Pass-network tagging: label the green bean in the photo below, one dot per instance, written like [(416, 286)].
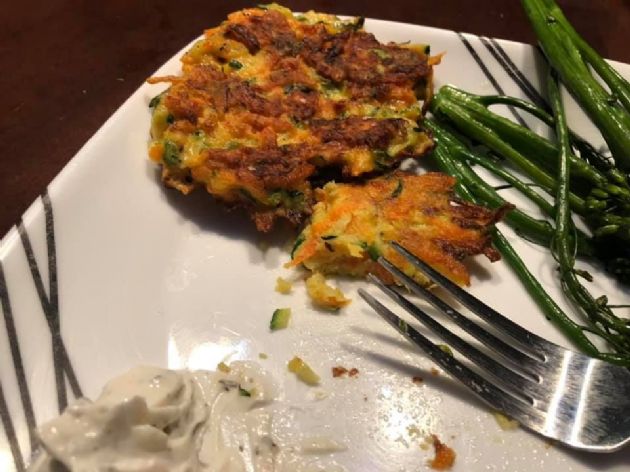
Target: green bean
[(565, 54), (444, 157)]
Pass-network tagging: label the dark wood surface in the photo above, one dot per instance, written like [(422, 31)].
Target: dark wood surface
[(67, 65)]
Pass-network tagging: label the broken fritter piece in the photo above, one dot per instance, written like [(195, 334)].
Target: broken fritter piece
[(352, 224), (268, 99)]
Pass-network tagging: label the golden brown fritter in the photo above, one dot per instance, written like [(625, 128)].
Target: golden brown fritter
[(267, 99), (353, 224)]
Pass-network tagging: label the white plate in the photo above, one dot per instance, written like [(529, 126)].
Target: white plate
[(146, 275)]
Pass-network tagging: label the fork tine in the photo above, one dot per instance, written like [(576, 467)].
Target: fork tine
[(529, 340), (520, 385), (495, 396), (516, 357)]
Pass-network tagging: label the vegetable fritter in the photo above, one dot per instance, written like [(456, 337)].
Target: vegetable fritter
[(267, 99), (352, 224)]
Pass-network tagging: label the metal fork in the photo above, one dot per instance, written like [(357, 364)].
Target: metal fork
[(563, 395)]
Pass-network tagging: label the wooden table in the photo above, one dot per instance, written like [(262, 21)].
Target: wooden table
[(68, 64)]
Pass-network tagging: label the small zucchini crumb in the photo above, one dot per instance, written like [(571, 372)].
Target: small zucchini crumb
[(262, 355), (447, 349), (444, 455), (505, 423), (303, 371), (244, 393), (280, 319), (283, 286), (324, 295), (223, 367), (171, 155)]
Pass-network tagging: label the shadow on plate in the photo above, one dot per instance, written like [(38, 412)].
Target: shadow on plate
[(449, 386), (208, 215), (478, 273), (439, 381), (595, 461)]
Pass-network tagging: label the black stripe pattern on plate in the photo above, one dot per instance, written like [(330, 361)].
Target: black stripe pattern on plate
[(61, 361)]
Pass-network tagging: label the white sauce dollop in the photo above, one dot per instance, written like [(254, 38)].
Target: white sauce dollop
[(152, 420)]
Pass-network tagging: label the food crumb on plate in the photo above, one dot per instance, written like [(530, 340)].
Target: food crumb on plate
[(280, 319), (303, 371), (446, 348), (324, 295), (223, 367), (340, 371), (444, 455), (320, 395), (505, 423), (434, 371), (417, 379), (283, 286), (263, 355)]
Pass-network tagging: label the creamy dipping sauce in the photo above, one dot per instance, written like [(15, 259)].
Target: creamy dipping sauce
[(152, 420)]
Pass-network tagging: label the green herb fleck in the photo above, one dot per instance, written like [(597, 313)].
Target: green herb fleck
[(155, 101), (329, 237), (298, 242), (357, 24), (382, 54), (446, 349), (374, 252), (170, 119), (234, 64), (427, 49), (402, 325), (297, 123), (171, 153), (243, 393), (329, 85), (248, 196), (398, 190), (233, 145), (299, 87), (288, 198), (381, 159)]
